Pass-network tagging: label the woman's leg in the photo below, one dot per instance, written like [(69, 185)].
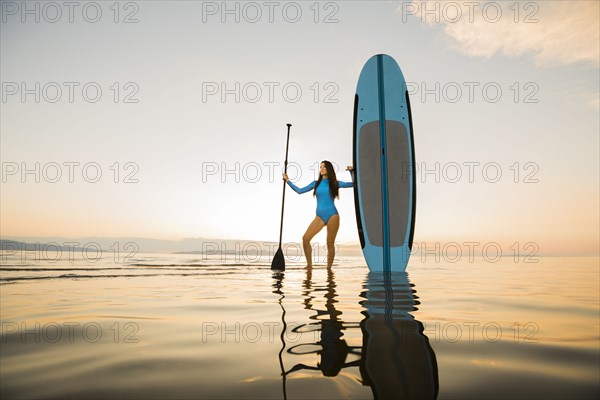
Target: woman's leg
[(311, 231), (332, 229)]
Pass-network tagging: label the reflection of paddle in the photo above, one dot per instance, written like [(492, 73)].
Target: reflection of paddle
[(278, 286), (279, 261)]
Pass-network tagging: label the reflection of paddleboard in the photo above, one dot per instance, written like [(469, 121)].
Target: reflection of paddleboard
[(384, 162), (397, 360)]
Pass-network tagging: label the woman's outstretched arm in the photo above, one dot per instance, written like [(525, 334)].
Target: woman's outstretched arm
[(298, 190), (348, 184), (305, 189)]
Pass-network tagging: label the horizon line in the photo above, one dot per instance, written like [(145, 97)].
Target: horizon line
[(355, 245)]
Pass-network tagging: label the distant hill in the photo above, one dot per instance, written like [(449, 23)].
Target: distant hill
[(13, 245), (145, 245)]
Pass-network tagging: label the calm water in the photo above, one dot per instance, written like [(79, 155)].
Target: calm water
[(178, 326)]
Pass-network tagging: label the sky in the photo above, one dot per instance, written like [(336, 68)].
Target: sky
[(167, 119)]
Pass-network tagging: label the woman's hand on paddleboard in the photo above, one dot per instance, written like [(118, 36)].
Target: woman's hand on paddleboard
[(285, 177), (350, 168)]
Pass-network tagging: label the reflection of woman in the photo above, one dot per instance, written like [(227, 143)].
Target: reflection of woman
[(326, 191), (333, 348)]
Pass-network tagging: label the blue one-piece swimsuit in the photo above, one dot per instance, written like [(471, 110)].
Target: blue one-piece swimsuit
[(325, 206)]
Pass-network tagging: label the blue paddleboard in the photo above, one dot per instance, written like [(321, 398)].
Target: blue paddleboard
[(384, 163)]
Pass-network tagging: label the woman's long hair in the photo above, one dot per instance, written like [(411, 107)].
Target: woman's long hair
[(334, 186)]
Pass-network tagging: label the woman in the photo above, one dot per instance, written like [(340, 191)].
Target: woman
[(326, 190)]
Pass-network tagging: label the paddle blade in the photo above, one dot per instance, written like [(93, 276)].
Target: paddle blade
[(278, 261)]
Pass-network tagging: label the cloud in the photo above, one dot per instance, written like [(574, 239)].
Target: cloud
[(553, 33)]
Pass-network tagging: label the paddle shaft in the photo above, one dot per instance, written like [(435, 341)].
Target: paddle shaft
[(287, 146)]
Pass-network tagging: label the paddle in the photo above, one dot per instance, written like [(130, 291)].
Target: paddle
[(279, 261)]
